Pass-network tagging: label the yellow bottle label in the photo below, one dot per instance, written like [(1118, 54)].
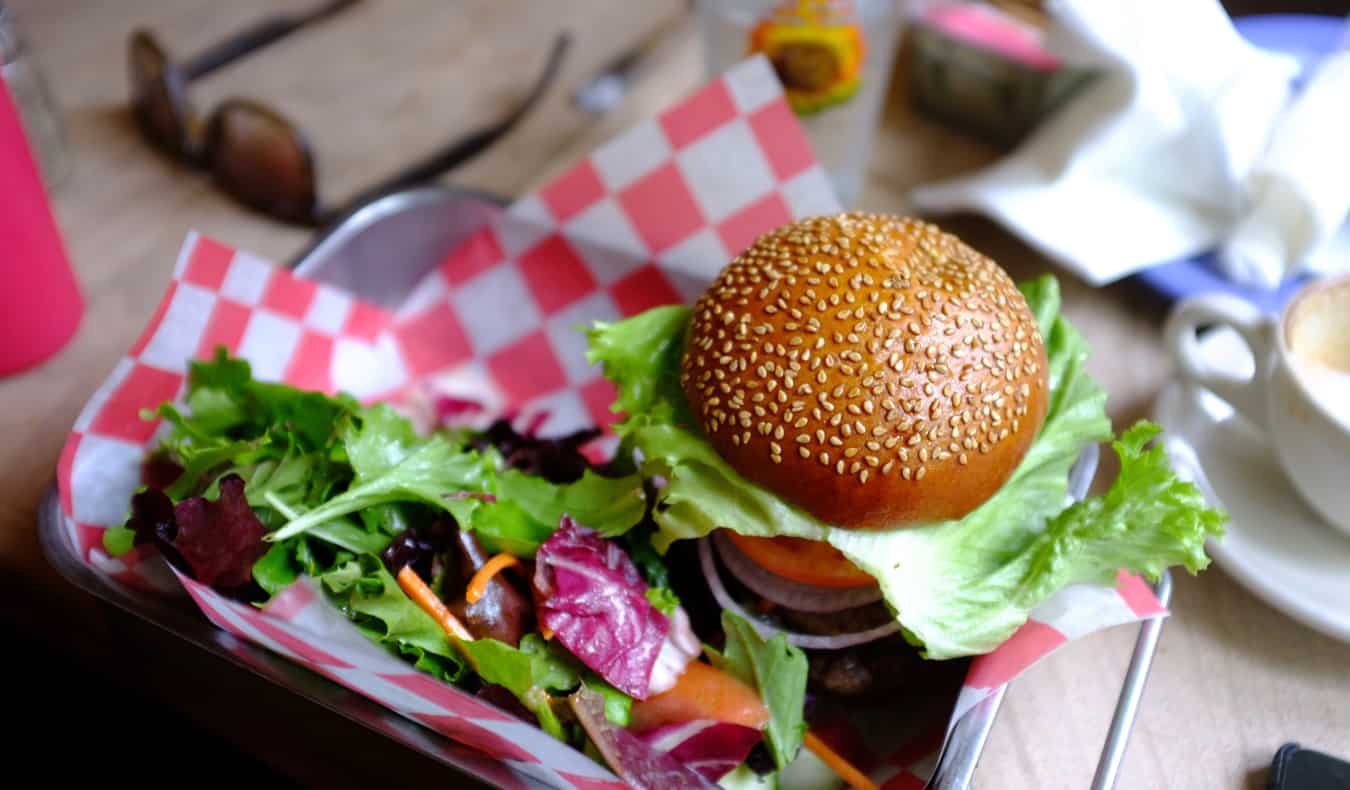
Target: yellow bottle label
[(817, 49)]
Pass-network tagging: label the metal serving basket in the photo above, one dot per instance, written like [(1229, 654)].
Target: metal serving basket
[(379, 253)]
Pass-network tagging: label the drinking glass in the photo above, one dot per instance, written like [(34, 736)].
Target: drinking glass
[(834, 59)]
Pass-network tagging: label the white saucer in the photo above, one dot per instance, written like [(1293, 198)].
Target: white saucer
[(1275, 545)]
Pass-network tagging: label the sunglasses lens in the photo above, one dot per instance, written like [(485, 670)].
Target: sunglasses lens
[(260, 159), (159, 109)]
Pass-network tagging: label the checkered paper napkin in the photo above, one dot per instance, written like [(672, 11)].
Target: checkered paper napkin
[(648, 219)]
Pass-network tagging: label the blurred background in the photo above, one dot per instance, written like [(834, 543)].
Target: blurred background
[(265, 123)]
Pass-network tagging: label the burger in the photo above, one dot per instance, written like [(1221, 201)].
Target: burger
[(862, 434)]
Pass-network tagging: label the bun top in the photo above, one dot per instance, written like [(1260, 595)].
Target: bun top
[(872, 370)]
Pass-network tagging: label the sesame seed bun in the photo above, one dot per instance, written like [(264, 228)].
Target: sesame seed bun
[(872, 370)]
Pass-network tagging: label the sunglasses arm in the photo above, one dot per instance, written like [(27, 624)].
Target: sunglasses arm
[(461, 150), (257, 36)]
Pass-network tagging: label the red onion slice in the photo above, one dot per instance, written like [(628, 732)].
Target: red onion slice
[(809, 641), (785, 592)]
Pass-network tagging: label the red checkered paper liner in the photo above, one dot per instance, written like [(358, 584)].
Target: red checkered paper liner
[(648, 219)]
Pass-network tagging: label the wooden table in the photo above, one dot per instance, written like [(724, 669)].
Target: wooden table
[(1233, 679)]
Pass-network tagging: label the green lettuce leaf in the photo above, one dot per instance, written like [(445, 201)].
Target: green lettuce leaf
[(959, 587), (637, 543), (664, 599), (378, 440), (778, 671), (529, 672), (520, 513), (642, 355), (429, 474), (118, 540), (1089, 540), (609, 505), (277, 569), (231, 402)]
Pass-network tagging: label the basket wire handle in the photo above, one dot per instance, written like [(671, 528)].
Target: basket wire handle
[(964, 743), (1131, 692)]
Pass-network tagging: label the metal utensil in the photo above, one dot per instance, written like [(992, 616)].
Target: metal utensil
[(965, 740), (607, 89)]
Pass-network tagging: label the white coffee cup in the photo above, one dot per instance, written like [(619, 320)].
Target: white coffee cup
[(1299, 396)]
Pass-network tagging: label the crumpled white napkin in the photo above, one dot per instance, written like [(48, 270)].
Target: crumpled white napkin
[(1299, 192), (1151, 161)]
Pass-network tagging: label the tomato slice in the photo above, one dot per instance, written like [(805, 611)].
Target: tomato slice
[(805, 561)]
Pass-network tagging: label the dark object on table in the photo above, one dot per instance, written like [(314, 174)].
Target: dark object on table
[(1297, 768), (255, 153)]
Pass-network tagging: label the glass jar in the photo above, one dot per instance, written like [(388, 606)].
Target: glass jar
[(37, 110)]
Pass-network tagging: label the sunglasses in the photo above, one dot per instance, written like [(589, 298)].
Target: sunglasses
[(254, 153)]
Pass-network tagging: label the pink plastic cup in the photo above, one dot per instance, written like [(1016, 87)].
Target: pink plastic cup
[(40, 302)]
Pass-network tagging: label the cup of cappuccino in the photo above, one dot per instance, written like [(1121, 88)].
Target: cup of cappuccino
[(1299, 396)]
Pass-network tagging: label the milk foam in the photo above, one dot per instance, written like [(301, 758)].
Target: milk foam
[(1329, 387), (1319, 337)]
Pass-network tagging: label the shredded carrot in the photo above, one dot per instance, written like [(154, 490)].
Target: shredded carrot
[(425, 597), (845, 770), (478, 584), (545, 632)]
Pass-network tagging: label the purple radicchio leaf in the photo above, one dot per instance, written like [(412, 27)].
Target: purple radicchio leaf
[(591, 596), (635, 762), (711, 748)]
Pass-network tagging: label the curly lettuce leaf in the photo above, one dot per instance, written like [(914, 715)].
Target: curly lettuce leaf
[(641, 355), (368, 594), (225, 400), (959, 587)]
